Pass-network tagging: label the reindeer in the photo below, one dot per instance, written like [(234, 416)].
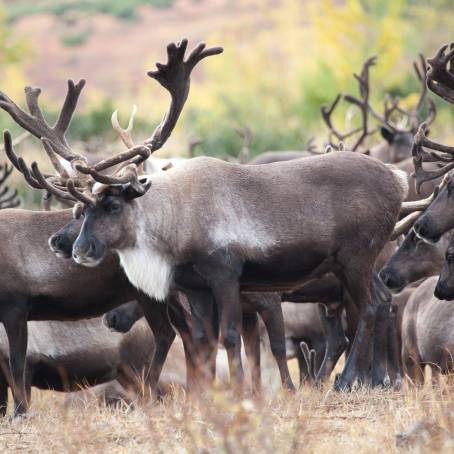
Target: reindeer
[(414, 260), (321, 330), (266, 305), (436, 218), (398, 140), (61, 242), (240, 234), (44, 288), (427, 337), (66, 356)]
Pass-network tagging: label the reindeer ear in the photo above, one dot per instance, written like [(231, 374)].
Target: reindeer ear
[(137, 189), (387, 134)]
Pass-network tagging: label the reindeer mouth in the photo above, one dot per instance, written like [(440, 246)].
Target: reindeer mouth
[(87, 261)]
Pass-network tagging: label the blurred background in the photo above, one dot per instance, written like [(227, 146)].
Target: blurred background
[(283, 60)]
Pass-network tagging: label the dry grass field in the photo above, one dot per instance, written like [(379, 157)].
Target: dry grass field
[(312, 420)]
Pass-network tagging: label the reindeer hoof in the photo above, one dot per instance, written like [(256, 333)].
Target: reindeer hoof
[(343, 384)]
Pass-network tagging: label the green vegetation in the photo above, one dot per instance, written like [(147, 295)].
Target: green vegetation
[(122, 9), (75, 39)]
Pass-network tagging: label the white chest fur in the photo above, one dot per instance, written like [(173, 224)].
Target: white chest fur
[(148, 270)]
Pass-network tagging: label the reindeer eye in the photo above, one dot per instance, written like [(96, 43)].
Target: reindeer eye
[(113, 207)]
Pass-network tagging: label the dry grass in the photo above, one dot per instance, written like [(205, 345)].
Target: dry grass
[(309, 421)]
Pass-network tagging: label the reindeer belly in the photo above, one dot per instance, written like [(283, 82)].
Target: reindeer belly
[(71, 373), (286, 270)]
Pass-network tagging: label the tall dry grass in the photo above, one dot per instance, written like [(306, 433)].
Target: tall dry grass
[(312, 420)]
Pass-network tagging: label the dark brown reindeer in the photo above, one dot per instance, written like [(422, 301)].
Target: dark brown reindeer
[(424, 322), (68, 356), (44, 288), (415, 259), (233, 239), (445, 285)]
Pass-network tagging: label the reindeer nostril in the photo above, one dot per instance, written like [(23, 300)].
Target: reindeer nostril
[(91, 250), (113, 321)]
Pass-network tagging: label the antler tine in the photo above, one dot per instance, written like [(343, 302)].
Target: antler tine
[(54, 158), (49, 187), (31, 97), (134, 155), (128, 174), (422, 175), (10, 196), (193, 143), (125, 134), (69, 106), (17, 161), (175, 77), (440, 75), (309, 358), (421, 76), (4, 191), (415, 114), (6, 173), (79, 196)]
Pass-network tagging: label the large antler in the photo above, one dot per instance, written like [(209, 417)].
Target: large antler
[(440, 75), (420, 156), (363, 105), (35, 123), (174, 76), (391, 105), (52, 137)]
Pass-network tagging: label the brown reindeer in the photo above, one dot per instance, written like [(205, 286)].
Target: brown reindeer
[(41, 287), (244, 234), (427, 337), (415, 259), (66, 356), (423, 321), (315, 335), (436, 219), (217, 251), (398, 140), (61, 242)]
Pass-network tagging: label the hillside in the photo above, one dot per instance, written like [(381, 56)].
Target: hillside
[(114, 54)]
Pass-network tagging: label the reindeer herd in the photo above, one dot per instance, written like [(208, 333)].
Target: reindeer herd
[(204, 248)]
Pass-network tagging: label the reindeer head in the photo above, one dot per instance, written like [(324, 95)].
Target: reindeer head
[(105, 200)]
